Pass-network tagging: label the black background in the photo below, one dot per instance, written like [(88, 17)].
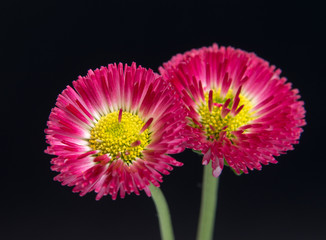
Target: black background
[(47, 44)]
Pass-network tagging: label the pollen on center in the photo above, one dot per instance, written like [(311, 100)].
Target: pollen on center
[(226, 113), (120, 135)]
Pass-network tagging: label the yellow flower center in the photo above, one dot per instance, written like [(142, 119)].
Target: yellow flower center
[(119, 135), (215, 120)]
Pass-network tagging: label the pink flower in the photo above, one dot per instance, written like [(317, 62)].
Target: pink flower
[(112, 133), (241, 112)]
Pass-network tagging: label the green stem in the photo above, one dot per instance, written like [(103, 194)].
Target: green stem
[(206, 224), (163, 213)]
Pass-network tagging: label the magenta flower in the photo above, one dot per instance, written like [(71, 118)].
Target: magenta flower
[(241, 112), (113, 132)]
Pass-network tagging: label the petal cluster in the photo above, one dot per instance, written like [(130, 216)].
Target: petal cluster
[(123, 89), (241, 111)]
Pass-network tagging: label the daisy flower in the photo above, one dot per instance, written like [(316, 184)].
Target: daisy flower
[(112, 132), (241, 112)]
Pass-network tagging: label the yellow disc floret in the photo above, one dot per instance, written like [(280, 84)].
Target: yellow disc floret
[(119, 136), (212, 121)]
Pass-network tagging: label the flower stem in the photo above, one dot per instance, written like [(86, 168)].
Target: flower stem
[(206, 224), (163, 213)]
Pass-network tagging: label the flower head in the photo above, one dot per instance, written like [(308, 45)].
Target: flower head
[(241, 112), (113, 131)]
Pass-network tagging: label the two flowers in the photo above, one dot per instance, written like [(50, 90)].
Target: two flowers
[(113, 132)]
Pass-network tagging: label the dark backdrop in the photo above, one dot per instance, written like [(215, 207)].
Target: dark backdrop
[(47, 44)]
